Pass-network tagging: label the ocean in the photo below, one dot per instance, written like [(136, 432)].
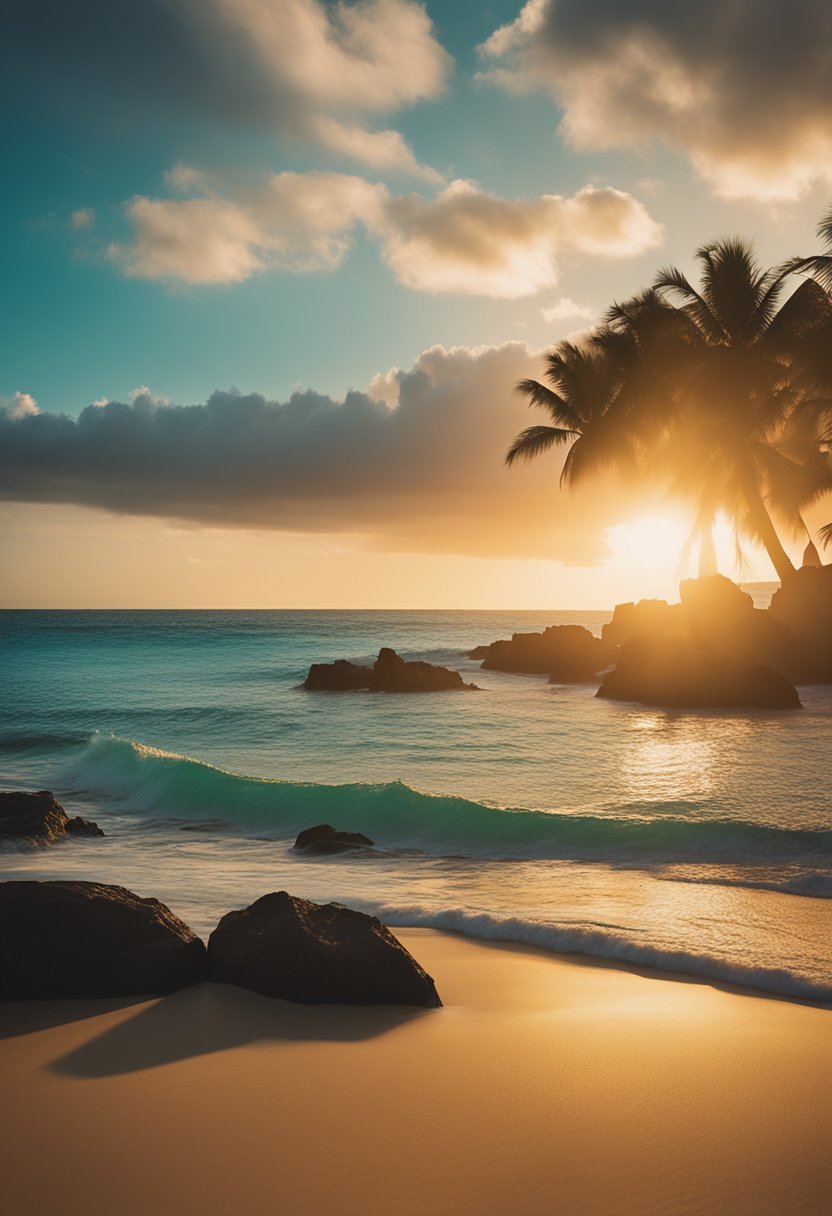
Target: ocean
[(692, 842)]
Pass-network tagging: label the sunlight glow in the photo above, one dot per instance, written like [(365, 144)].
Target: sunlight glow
[(652, 543)]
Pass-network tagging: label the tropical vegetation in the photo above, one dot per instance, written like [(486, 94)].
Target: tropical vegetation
[(721, 391)]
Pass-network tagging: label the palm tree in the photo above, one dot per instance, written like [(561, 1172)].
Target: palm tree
[(818, 404), (705, 388), (584, 404)]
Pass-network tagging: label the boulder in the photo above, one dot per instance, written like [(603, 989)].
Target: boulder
[(283, 946), (340, 676), (325, 839), (803, 604), (563, 652), (392, 673), (39, 818), (85, 939), (647, 616), (480, 652), (389, 673), (675, 672)]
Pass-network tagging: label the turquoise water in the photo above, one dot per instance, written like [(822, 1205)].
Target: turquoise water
[(696, 842)]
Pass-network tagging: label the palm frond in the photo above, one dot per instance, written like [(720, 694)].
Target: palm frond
[(535, 440)]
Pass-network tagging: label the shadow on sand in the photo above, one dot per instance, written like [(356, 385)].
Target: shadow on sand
[(209, 1017)]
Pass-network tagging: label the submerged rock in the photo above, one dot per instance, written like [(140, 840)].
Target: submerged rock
[(39, 818), (326, 839), (85, 939), (283, 946), (566, 653), (389, 673), (674, 672)]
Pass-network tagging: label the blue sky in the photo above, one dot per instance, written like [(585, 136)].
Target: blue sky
[(662, 122)]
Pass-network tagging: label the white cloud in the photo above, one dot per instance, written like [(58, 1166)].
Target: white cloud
[(464, 240), (741, 88), (83, 218), (565, 309), (323, 69), (19, 405)]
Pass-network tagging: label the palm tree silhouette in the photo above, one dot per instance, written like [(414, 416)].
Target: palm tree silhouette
[(714, 390)]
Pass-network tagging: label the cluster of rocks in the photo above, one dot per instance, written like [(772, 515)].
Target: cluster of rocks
[(712, 649), (389, 673), (87, 939), (566, 653), (37, 818)]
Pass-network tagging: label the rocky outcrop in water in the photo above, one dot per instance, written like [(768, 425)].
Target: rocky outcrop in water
[(325, 839), (804, 606), (675, 672), (86, 939), (389, 673), (283, 946), (566, 653), (39, 818)]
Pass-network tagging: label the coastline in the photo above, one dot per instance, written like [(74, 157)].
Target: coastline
[(546, 1083)]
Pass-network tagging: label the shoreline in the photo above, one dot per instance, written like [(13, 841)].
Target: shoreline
[(545, 1083)]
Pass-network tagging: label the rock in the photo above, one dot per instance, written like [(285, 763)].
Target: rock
[(39, 818), (675, 672), (340, 676), (804, 605), (283, 946), (326, 839), (389, 673), (563, 652), (480, 652), (85, 939), (647, 616)]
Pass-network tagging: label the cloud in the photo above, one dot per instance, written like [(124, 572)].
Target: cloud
[(425, 474), (297, 222), (474, 243), (83, 218), (305, 68), (464, 240), (742, 88), (19, 405), (565, 309)]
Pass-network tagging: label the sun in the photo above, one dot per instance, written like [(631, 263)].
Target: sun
[(653, 543)]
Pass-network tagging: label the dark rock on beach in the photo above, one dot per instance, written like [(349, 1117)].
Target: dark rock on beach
[(676, 673), (85, 939), (566, 653), (325, 839), (389, 673), (283, 946), (39, 818)]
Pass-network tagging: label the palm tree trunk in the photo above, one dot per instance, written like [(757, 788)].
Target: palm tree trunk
[(761, 523), (707, 553)]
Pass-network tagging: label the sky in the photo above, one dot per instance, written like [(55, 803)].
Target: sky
[(272, 268)]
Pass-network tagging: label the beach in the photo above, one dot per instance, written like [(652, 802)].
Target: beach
[(545, 1084)]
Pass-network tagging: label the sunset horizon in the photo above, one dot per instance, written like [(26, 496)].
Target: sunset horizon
[(416, 608)]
